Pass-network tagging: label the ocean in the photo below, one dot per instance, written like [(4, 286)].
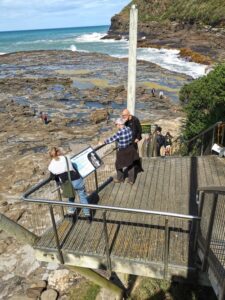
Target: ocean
[(88, 39)]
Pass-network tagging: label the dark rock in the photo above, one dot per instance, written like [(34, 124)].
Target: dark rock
[(49, 295), (99, 116)]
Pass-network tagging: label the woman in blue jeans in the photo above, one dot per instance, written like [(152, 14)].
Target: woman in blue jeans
[(59, 171)]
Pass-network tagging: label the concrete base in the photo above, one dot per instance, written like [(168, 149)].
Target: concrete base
[(149, 269)]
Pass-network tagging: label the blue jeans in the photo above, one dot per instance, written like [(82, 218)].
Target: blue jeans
[(80, 189)]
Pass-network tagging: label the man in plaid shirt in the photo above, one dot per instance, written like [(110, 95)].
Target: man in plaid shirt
[(126, 154), (123, 136)]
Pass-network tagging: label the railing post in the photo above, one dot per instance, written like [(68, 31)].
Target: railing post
[(213, 138), (166, 249), (222, 138), (200, 202), (60, 198), (209, 233), (96, 180), (222, 294), (56, 235), (202, 145), (109, 266)]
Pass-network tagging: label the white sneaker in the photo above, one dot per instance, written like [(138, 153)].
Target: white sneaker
[(71, 211)]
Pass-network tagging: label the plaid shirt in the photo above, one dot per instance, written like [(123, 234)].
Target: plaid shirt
[(123, 137)]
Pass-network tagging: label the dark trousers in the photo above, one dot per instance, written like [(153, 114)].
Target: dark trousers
[(130, 172)]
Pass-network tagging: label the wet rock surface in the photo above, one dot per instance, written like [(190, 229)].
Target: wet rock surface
[(76, 90)]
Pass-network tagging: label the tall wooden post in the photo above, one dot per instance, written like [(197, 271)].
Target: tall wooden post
[(131, 87)]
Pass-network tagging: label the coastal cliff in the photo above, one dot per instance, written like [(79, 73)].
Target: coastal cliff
[(195, 25)]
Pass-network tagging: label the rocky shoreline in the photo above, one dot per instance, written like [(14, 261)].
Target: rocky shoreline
[(205, 40), (71, 87)]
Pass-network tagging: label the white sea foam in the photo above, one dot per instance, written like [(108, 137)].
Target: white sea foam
[(36, 42), (95, 37), (1, 53), (90, 37), (73, 48), (169, 59)]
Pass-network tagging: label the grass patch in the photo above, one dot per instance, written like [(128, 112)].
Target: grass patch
[(85, 290)]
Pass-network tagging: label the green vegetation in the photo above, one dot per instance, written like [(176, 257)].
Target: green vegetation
[(204, 101), (208, 12), (85, 290), (160, 290), (203, 12)]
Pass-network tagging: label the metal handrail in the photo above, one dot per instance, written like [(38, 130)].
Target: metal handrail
[(212, 189), (202, 143), (204, 131), (104, 209), (111, 208), (95, 206), (205, 242)]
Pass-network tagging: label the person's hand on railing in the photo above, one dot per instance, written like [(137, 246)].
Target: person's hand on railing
[(100, 145)]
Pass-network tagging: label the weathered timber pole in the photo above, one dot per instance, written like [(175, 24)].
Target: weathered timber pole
[(132, 61), (20, 233), (99, 280)]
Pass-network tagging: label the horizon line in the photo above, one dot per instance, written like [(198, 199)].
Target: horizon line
[(52, 28)]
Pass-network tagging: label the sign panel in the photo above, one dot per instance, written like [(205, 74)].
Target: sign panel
[(146, 128), (86, 162)]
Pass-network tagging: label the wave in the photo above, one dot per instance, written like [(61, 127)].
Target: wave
[(170, 60), (36, 42), (1, 53), (73, 48), (95, 37)]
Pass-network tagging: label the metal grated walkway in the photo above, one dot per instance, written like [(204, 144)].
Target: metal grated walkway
[(137, 241)]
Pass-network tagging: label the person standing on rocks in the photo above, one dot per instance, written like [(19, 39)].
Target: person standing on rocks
[(41, 115), (45, 119), (153, 92), (161, 95), (59, 171)]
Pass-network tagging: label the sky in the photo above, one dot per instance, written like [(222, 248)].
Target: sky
[(37, 14)]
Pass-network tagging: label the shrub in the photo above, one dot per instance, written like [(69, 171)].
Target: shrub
[(204, 101)]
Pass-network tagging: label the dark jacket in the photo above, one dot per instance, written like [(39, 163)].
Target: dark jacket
[(135, 126), (126, 157), (63, 177), (160, 140)]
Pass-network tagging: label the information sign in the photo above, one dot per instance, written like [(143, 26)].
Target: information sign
[(86, 162)]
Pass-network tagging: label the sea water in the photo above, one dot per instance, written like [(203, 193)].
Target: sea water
[(89, 39)]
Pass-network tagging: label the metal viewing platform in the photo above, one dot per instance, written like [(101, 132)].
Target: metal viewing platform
[(152, 228)]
